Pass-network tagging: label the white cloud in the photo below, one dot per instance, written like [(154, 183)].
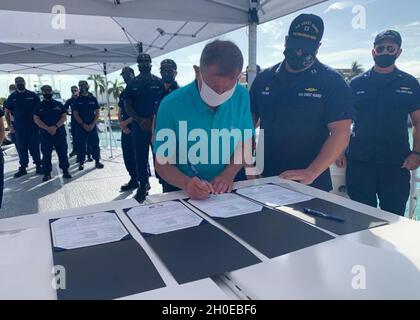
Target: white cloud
[(194, 57), (412, 67), (340, 5), (272, 28), (413, 24), (345, 57), (277, 50), (185, 75)]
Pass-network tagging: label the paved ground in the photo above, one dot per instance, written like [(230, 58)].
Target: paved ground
[(28, 194)]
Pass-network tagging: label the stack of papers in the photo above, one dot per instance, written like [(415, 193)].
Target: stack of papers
[(163, 217), (226, 205), (273, 195), (87, 230)]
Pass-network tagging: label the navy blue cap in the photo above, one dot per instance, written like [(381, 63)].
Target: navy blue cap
[(305, 32), (46, 87), (168, 64), (388, 35), (144, 58), (127, 70)]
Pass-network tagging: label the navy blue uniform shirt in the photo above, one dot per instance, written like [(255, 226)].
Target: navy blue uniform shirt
[(22, 106), (383, 103), (145, 92), (165, 92), (121, 105), (86, 106), (70, 104), (50, 112), (295, 110)]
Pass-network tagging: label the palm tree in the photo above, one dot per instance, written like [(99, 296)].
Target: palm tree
[(99, 83), (356, 69), (102, 85), (115, 88)]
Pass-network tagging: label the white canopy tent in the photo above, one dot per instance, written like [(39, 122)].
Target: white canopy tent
[(101, 36), (76, 36)]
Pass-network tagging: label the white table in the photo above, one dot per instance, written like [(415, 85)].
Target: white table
[(26, 259), (204, 289), (336, 269), (390, 256), (314, 272)]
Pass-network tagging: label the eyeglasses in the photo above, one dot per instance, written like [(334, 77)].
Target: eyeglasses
[(390, 49)]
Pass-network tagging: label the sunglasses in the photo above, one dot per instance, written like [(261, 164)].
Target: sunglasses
[(390, 49)]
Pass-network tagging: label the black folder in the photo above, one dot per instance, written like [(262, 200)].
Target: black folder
[(198, 252), (106, 271), (354, 220), (273, 233)]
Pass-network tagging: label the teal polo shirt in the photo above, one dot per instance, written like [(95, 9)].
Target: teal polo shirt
[(188, 131)]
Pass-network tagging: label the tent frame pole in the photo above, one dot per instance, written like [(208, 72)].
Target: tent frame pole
[(108, 107), (252, 41)]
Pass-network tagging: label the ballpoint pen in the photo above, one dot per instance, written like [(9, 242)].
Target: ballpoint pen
[(195, 171), (322, 215)]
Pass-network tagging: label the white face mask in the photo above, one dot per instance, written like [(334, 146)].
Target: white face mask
[(211, 97)]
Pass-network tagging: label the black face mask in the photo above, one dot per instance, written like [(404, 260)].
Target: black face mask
[(47, 96), (20, 86), (145, 68), (83, 90), (298, 62), (385, 60), (127, 78), (168, 77)]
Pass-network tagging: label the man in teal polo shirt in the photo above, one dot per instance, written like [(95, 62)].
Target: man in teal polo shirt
[(203, 128)]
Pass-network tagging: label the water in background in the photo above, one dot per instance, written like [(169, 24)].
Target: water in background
[(115, 138), (417, 211)]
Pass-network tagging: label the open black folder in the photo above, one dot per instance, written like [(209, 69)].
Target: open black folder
[(197, 252), (105, 271), (271, 232), (352, 220)]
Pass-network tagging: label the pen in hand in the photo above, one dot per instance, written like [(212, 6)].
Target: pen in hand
[(208, 186)]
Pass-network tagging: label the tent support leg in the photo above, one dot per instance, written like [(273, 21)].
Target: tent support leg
[(108, 107), (252, 42)]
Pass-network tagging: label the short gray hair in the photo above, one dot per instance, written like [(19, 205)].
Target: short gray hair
[(225, 55)]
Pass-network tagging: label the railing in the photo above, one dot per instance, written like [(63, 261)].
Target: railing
[(414, 195)]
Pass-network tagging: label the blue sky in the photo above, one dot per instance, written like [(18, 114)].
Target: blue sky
[(341, 44)]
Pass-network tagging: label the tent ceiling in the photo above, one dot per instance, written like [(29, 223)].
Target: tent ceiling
[(97, 31), (217, 11)]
